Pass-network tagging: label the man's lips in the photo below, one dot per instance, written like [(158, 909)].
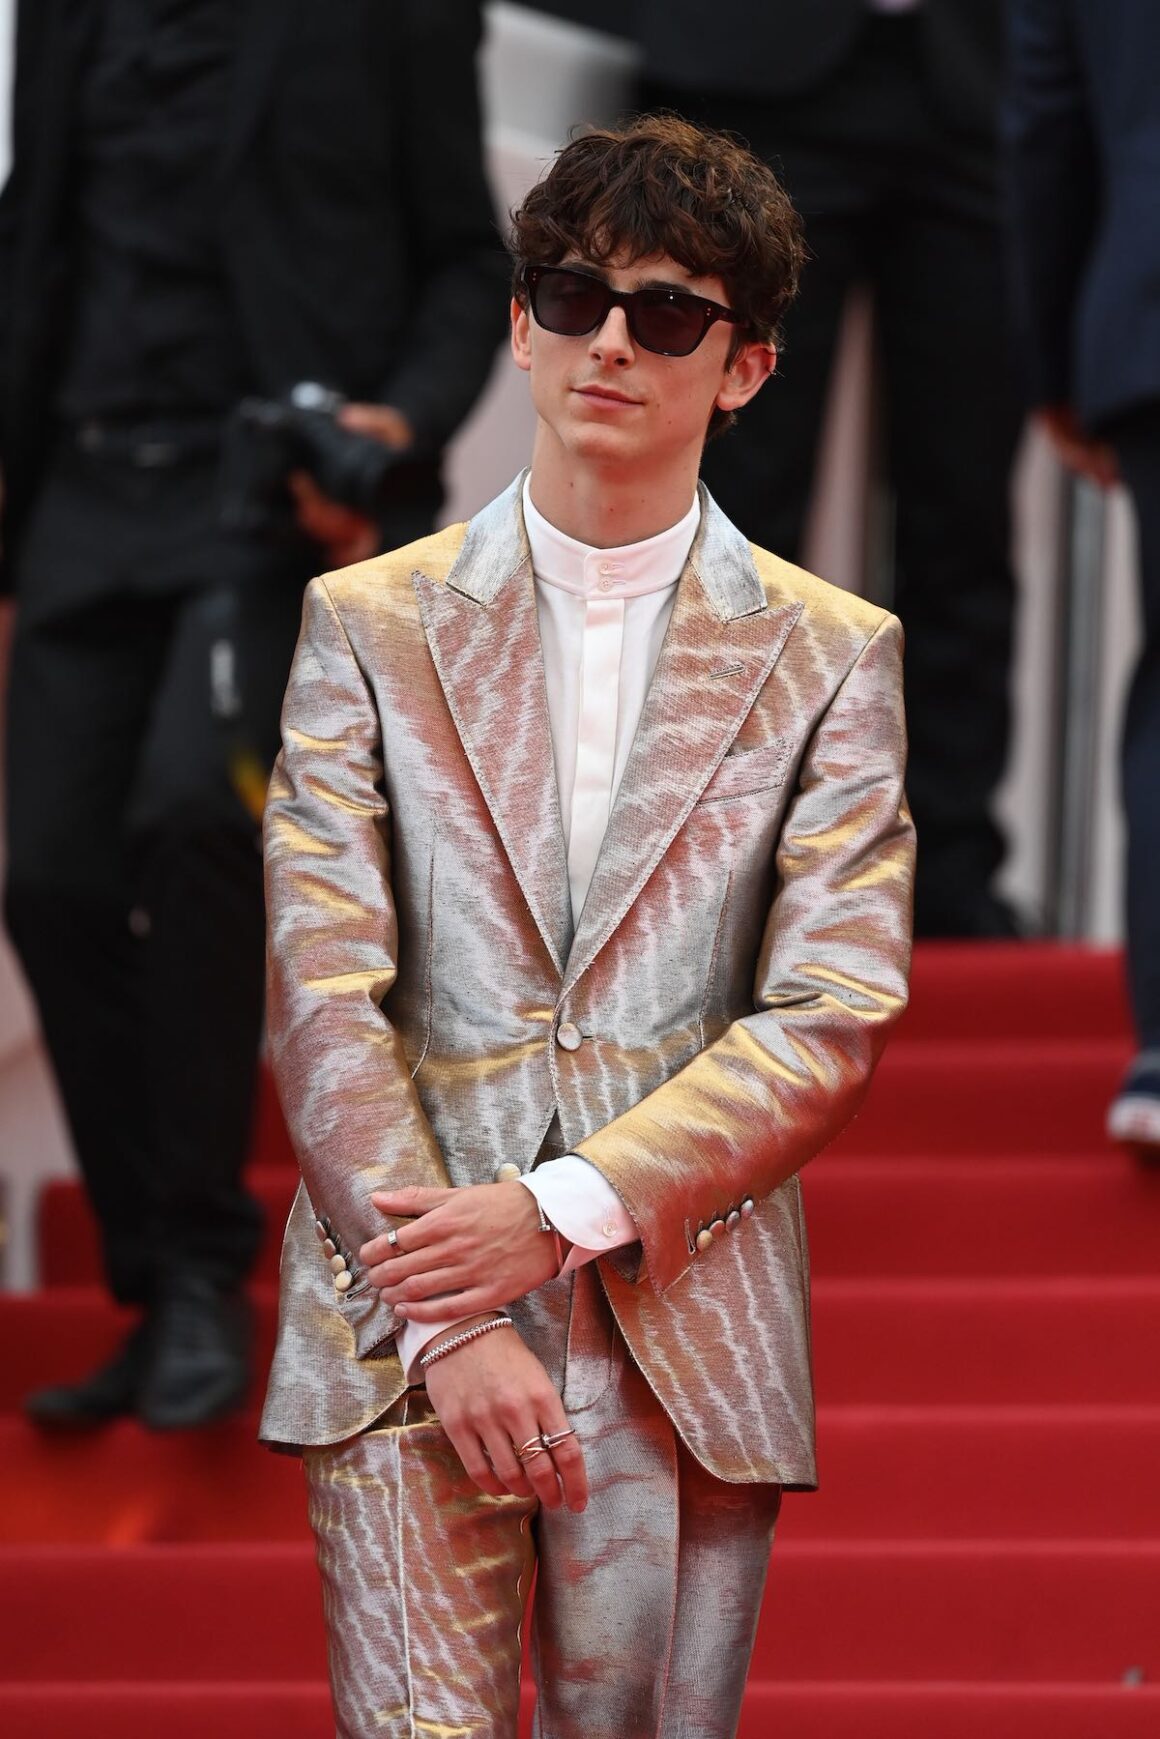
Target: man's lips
[(607, 394)]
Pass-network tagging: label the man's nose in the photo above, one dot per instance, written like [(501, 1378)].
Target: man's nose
[(612, 342)]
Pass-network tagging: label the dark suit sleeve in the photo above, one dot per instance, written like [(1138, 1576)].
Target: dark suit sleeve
[(1053, 181), (459, 262)]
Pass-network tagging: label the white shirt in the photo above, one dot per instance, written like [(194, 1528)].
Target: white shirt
[(602, 617)]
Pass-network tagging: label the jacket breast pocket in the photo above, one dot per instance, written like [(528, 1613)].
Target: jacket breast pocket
[(745, 772)]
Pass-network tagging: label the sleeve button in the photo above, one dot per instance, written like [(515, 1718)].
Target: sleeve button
[(747, 1208), (343, 1282), (704, 1238)]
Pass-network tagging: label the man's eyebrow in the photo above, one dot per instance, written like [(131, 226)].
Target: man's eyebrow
[(600, 272)]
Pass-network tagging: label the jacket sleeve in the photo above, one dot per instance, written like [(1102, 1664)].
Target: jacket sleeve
[(779, 1084), (459, 264), (1053, 191), (343, 1078)]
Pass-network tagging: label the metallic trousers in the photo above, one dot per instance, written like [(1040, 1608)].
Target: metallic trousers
[(645, 1605)]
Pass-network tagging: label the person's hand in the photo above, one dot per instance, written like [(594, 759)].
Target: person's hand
[(381, 422), (1078, 450), (467, 1250), (492, 1396), (345, 535)]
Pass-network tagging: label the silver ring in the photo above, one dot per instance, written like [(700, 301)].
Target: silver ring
[(392, 1237), (551, 1442)]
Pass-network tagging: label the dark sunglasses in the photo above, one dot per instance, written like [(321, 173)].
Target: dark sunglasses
[(669, 322)]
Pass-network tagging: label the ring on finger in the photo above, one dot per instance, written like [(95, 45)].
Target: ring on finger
[(529, 1450), (392, 1237)]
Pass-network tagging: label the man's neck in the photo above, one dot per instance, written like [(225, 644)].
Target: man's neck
[(604, 510)]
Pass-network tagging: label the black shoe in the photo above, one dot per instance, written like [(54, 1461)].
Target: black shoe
[(199, 1368), (110, 1393)]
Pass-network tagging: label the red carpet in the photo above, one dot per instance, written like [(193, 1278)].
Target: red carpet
[(983, 1559)]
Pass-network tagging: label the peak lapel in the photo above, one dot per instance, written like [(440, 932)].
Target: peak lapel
[(483, 631), (722, 642)]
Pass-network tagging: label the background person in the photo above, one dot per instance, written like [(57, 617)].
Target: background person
[(208, 201), (881, 118), (1083, 158)]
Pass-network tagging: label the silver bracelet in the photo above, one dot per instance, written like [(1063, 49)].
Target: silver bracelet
[(461, 1340)]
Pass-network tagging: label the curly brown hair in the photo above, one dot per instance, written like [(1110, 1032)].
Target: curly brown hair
[(662, 185)]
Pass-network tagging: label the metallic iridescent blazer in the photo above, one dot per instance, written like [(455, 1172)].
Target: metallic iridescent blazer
[(739, 961)]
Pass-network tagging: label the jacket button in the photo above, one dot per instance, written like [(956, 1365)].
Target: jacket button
[(343, 1282), (338, 1264), (568, 1036), (329, 1247), (508, 1171), (704, 1238)]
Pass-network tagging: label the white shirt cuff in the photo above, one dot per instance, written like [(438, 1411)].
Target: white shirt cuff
[(583, 1207), (413, 1337)]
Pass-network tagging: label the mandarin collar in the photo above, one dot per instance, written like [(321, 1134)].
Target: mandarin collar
[(629, 571)]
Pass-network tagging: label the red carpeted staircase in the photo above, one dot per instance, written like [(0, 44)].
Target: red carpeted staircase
[(983, 1558)]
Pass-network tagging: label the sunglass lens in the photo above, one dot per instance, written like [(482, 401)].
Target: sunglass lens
[(671, 324), (568, 302)]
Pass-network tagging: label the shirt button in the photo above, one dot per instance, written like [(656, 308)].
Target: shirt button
[(568, 1036), (604, 585), (507, 1172), (609, 1230)]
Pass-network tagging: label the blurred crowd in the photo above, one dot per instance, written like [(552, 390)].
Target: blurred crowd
[(252, 280)]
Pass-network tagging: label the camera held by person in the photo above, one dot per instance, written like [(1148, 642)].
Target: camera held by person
[(269, 439)]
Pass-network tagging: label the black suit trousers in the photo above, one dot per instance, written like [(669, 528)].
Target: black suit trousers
[(147, 670), (890, 198)]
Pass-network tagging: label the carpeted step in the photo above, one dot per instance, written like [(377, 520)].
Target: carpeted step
[(984, 992), (1046, 1097), (929, 1216), (876, 1342), (952, 1473), (994, 1217), (1067, 1613), (874, 1710), (796, 1710)]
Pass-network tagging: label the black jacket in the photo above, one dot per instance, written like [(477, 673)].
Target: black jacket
[(351, 162), (1082, 137), (784, 48)]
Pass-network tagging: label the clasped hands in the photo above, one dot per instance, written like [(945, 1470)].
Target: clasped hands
[(462, 1251)]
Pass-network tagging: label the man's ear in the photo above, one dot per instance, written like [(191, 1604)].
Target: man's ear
[(746, 375), (521, 335)]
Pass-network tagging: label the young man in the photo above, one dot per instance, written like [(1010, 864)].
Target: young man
[(589, 878)]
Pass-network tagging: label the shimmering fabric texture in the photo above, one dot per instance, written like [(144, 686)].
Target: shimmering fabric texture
[(645, 1605), (739, 960)]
